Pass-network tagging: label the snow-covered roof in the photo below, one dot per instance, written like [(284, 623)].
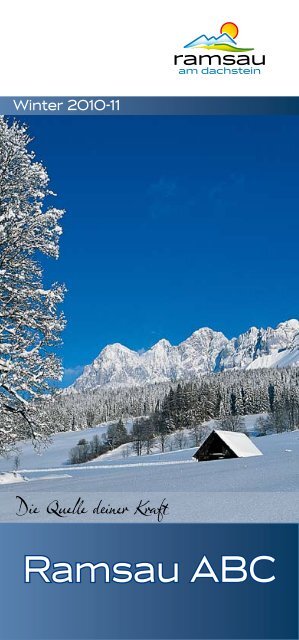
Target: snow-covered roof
[(239, 443)]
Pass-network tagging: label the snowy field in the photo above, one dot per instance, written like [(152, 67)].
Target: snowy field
[(54, 455), (257, 489)]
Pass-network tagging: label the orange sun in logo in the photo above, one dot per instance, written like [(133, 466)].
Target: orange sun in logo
[(230, 28)]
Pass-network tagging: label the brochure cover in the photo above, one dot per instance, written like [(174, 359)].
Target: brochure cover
[(149, 321)]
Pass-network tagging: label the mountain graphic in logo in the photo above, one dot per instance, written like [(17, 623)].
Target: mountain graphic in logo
[(225, 42)]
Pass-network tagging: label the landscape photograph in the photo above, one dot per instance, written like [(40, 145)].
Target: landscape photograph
[(149, 324)]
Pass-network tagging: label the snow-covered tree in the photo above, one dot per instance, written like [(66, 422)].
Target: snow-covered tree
[(30, 324), (233, 422)]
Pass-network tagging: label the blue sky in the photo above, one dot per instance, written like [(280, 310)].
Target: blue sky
[(172, 223)]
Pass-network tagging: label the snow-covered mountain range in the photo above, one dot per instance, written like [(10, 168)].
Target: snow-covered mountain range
[(206, 351)]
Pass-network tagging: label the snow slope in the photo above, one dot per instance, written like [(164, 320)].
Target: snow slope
[(206, 351), (279, 358), (55, 454), (256, 489)]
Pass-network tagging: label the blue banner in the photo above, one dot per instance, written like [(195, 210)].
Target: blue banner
[(147, 105), (93, 581)]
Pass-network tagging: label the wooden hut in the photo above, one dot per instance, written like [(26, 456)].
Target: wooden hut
[(220, 445)]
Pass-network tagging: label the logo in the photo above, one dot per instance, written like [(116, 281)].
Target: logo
[(219, 54), (225, 42)]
